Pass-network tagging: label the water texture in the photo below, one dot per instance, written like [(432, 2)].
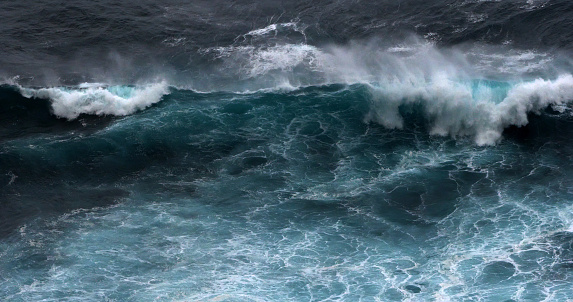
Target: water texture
[(300, 151)]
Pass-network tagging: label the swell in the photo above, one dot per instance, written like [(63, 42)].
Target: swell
[(478, 109), (188, 133), (190, 136)]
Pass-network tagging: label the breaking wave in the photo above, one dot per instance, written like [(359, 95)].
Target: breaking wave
[(458, 92), (98, 99), (480, 109)]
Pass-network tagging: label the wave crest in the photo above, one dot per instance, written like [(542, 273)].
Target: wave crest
[(96, 99), (480, 109)]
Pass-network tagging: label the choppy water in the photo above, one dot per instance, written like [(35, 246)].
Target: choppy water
[(324, 151)]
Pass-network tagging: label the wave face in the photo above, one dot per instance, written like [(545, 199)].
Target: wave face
[(348, 151)]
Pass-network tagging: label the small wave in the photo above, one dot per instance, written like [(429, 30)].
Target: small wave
[(98, 99)]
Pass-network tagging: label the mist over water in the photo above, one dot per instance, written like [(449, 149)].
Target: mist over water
[(324, 151)]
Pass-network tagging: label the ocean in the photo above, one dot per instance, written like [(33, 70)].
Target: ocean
[(286, 150)]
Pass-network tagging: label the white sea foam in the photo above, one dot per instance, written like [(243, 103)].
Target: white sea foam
[(93, 98), (455, 109)]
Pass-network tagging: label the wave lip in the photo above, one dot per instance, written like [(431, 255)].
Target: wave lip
[(98, 99)]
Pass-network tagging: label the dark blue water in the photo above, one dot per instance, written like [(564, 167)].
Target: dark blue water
[(323, 151)]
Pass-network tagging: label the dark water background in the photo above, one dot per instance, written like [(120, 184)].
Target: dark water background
[(67, 41), (286, 151)]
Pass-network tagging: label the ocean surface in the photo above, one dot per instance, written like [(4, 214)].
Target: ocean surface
[(341, 150)]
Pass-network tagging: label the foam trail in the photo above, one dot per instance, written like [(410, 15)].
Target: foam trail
[(97, 99)]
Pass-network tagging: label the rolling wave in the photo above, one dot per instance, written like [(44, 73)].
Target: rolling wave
[(69, 103), (480, 109)]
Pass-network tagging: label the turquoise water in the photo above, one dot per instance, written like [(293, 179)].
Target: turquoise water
[(284, 196)]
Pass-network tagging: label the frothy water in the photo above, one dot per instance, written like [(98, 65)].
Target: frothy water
[(273, 196)]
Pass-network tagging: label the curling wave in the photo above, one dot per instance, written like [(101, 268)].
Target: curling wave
[(480, 109), (98, 99)]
